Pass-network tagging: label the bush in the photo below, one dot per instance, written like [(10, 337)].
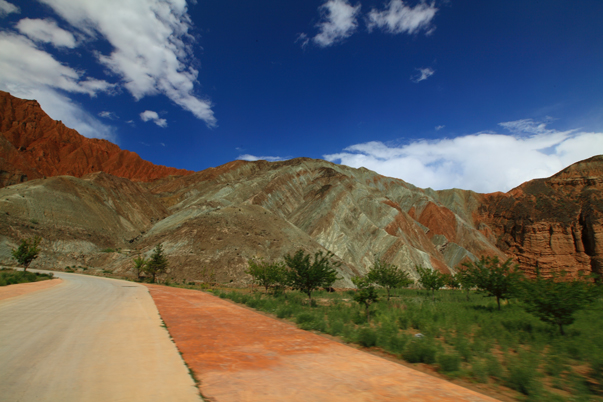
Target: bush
[(420, 351), (449, 363), (521, 376), (367, 337)]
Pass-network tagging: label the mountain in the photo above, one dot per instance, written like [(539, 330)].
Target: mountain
[(211, 222), (33, 146)]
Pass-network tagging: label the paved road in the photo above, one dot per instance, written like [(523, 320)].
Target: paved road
[(89, 339)]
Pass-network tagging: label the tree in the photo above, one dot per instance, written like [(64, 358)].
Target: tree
[(494, 278), (556, 299), (430, 279), (268, 275), (140, 264), (306, 275), (366, 293), (27, 252), (388, 276), (465, 279), (157, 264)]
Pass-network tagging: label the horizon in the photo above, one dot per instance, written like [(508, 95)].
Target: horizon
[(445, 94)]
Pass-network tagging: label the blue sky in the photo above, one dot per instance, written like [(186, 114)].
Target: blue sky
[(472, 94)]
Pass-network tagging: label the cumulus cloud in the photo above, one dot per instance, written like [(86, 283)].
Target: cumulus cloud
[(7, 8), (438, 128), (422, 74), (252, 158), (338, 21), (29, 72), (108, 115), (483, 162), (149, 115), (400, 18), (152, 47), (46, 31)]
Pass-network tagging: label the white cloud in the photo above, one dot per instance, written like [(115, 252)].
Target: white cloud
[(154, 117), (483, 162), (152, 46), (253, 158), (438, 128), (28, 72), (7, 8), (46, 31), (108, 115), (338, 22), (422, 75), (400, 18)]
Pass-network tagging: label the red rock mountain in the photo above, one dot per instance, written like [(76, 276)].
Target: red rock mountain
[(211, 222), (32, 146)]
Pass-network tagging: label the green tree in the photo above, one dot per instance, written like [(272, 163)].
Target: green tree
[(157, 264), (494, 278), (307, 276), (268, 275), (366, 294), (140, 264), (388, 276), (27, 252), (555, 300), (465, 279), (430, 279)]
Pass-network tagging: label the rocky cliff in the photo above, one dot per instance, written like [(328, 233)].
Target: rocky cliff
[(32, 146), (211, 222)]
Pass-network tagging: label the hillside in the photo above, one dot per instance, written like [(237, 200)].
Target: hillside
[(211, 222)]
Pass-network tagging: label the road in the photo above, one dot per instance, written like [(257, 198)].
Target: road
[(89, 339)]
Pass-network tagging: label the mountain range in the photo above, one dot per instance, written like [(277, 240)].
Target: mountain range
[(97, 207)]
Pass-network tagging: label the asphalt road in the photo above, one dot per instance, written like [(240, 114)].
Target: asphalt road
[(89, 339)]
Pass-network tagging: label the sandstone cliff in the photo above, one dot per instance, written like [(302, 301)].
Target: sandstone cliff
[(33, 146)]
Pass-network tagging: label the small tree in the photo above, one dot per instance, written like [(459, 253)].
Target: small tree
[(465, 279), (494, 278), (268, 275), (388, 276), (157, 264), (555, 300), (366, 293), (27, 252), (140, 264), (307, 276), (430, 279)]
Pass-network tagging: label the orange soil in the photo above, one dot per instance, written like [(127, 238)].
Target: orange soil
[(7, 292), (239, 355)]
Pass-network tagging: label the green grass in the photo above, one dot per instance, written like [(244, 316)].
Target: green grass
[(467, 339), (12, 277)]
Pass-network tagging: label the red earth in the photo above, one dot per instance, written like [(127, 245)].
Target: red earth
[(240, 355)]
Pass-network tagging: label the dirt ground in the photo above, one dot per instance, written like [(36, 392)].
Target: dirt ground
[(239, 355)]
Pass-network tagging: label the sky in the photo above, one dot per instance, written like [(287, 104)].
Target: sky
[(471, 94)]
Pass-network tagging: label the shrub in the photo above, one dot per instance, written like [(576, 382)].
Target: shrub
[(367, 337), (449, 363), (420, 351), (307, 276)]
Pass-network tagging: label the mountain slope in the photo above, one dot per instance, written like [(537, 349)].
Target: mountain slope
[(32, 146)]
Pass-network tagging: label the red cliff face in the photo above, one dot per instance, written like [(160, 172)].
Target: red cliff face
[(32, 145), (555, 224)]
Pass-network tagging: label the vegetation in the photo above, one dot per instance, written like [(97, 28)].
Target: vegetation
[(494, 278), (13, 277), (269, 275), (27, 251), (431, 279), (307, 276), (140, 265), (366, 294), (557, 299), (388, 276), (157, 264)]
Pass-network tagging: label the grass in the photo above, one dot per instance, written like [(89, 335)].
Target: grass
[(12, 277), (470, 340)]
